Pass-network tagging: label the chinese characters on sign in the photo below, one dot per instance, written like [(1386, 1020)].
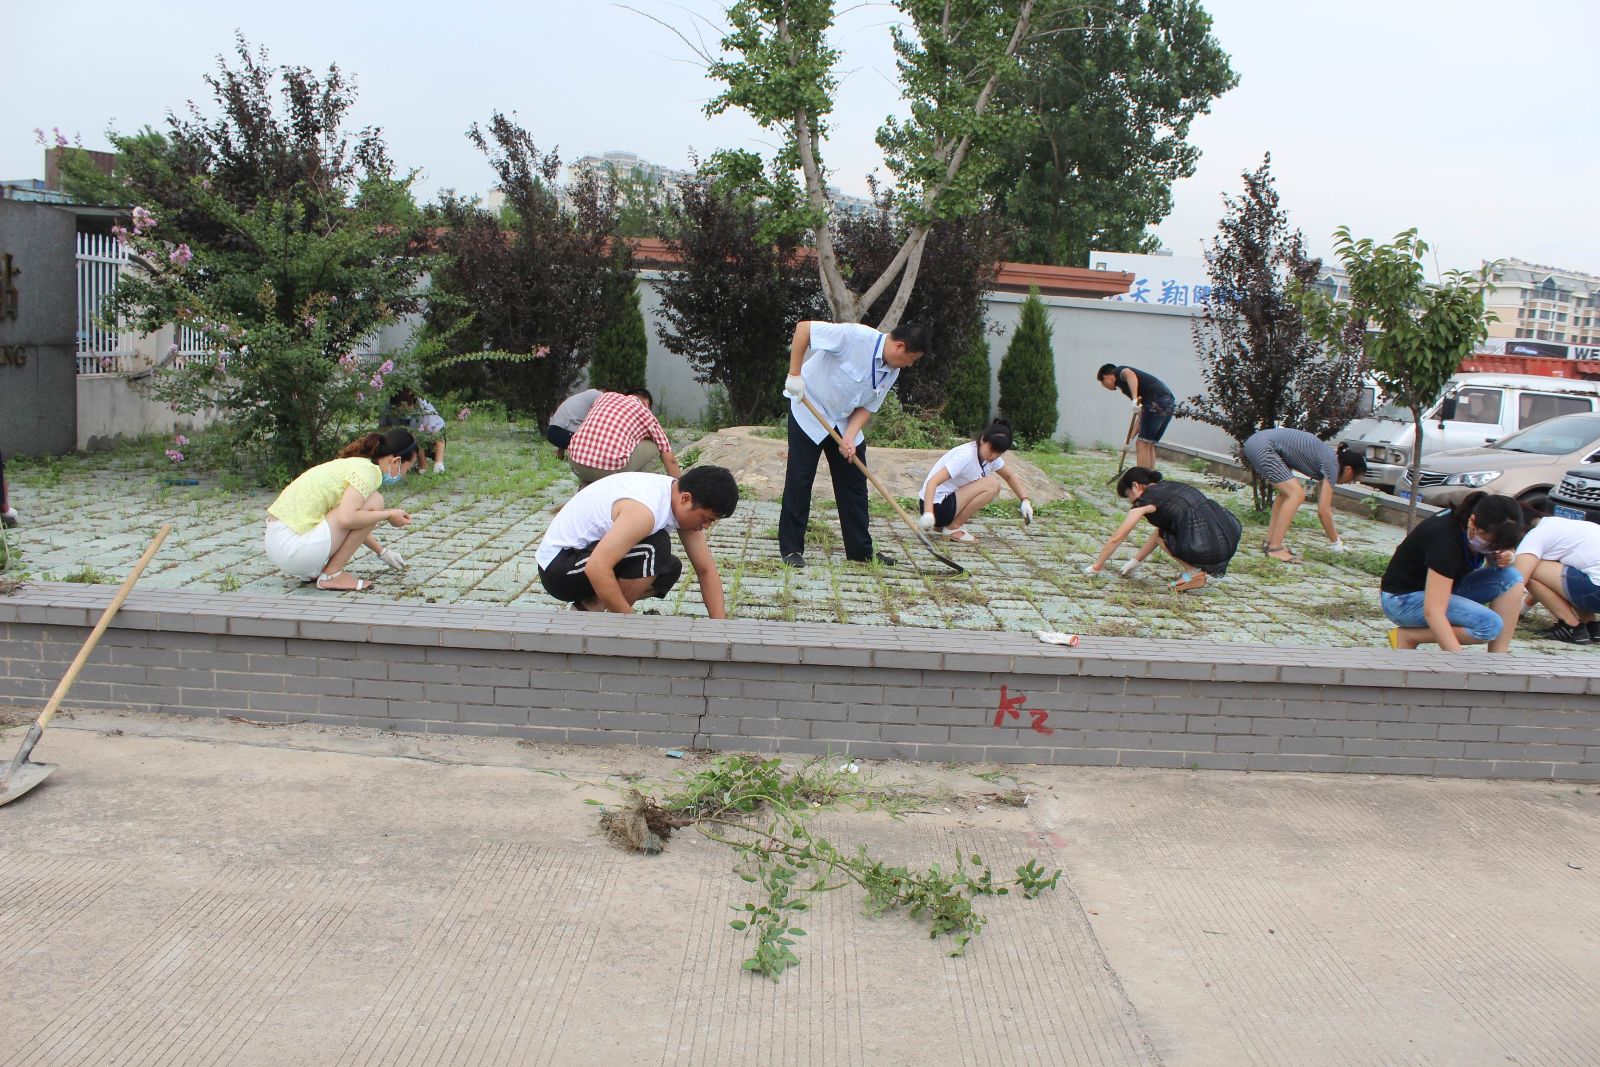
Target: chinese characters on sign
[(1173, 293), (1011, 707)]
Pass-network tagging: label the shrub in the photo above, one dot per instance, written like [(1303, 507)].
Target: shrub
[(621, 347), (967, 406), (897, 426), (1028, 375)]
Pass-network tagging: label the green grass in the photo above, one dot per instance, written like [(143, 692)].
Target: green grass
[(87, 575)]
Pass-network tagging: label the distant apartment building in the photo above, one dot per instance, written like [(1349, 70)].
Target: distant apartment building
[(1539, 303), (662, 178), (627, 164)]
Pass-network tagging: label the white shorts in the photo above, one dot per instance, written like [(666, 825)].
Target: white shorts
[(299, 555)]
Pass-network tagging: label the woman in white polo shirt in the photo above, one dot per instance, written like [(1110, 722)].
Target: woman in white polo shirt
[(847, 375), (1560, 561), (966, 479), (323, 516)]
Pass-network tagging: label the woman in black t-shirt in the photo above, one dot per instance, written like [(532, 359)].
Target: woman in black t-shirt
[(1451, 580), (1198, 532)]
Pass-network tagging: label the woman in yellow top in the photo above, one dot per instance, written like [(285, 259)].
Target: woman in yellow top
[(319, 521)]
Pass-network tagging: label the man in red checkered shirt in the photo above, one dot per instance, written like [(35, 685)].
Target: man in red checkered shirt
[(620, 434)]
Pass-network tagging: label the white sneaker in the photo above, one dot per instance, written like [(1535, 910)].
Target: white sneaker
[(438, 468), (9, 516)]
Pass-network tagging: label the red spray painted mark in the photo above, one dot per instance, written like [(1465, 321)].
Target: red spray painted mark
[(1011, 707)]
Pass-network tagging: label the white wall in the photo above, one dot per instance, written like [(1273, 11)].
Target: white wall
[(1086, 333), (110, 410)]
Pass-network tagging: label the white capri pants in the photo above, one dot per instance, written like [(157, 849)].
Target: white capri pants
[(299, 555)]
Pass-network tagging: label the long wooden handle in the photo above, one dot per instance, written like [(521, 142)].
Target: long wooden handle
[(82, 657), (873, 478)]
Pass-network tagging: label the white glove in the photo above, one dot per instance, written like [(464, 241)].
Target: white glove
[(1131, 566), (1027, 511), (1092, 571), (393, 559), (1337, 546), (794, 387), (925, 521)]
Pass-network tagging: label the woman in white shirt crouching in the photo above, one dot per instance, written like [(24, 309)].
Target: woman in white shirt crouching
[(1560, 560), (967, 478)]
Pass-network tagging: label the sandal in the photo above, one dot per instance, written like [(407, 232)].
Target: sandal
[(1268, 550), (361, 586), (1188, 580), (962, 537)]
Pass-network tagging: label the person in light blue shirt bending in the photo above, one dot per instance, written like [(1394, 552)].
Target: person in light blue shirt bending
[(846, 370)]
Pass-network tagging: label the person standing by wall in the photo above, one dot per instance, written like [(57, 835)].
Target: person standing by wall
[(620, 435), (1451, 582), (847, 374), (8, 514), (1276, 455), (1153, 400)]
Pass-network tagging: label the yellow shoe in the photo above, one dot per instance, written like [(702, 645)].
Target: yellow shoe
[(1394, 637)]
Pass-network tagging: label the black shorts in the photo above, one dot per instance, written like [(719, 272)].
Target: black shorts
[(944, 511), (558, 436), (566, 580)]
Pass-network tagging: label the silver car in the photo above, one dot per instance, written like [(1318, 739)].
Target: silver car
[(1526, 465)]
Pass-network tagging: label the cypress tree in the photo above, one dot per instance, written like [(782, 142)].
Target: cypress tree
[(967, 408), (1028, 375), (621, 346)]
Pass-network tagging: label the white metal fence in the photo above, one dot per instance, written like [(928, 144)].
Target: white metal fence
[(101, 348)]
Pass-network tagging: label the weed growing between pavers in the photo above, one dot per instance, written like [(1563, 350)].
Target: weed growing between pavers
[(763, 813), (477, 526)]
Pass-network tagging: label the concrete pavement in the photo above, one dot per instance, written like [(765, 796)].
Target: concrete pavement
[(200, 892)]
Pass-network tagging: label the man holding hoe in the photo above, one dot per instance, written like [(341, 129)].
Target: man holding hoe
[(849, 373)]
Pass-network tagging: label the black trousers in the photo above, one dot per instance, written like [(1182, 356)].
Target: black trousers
[(849, 489)]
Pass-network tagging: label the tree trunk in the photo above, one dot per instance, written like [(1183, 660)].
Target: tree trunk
[(1416, 468), (1261, 493)]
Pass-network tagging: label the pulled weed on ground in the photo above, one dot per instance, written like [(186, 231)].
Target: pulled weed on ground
[(762, 812)]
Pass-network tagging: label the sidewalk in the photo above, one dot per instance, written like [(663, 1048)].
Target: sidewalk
[(201, 892)]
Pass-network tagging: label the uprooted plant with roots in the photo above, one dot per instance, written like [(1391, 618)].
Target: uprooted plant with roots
[(763, 813)]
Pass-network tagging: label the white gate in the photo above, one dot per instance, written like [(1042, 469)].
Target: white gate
[(101, 349)]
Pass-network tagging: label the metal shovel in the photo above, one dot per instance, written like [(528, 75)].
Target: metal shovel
[(921, 534), (22, 774)]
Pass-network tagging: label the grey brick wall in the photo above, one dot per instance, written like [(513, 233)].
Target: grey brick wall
[(810, 689)]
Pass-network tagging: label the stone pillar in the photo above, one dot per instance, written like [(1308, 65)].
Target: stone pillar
[(38, 327)]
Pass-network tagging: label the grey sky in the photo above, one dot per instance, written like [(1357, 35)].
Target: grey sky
[(1471, 120)]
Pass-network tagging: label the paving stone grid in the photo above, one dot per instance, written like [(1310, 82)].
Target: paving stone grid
[(477, 526)]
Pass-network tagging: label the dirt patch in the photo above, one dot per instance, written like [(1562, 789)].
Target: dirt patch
[(758, 464)]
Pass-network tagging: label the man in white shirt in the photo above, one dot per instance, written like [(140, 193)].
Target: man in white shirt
[(609, 545), (848, 373)]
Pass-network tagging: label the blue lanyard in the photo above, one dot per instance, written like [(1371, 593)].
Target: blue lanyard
[(876, 358)]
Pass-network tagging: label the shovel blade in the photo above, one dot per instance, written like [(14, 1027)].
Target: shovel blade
[(19, 778)]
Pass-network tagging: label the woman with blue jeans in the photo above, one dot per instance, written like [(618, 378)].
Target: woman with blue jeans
[(1451, 581)]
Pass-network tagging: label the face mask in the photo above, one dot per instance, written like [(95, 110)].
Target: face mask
[(1480, 546), (390, 479)]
